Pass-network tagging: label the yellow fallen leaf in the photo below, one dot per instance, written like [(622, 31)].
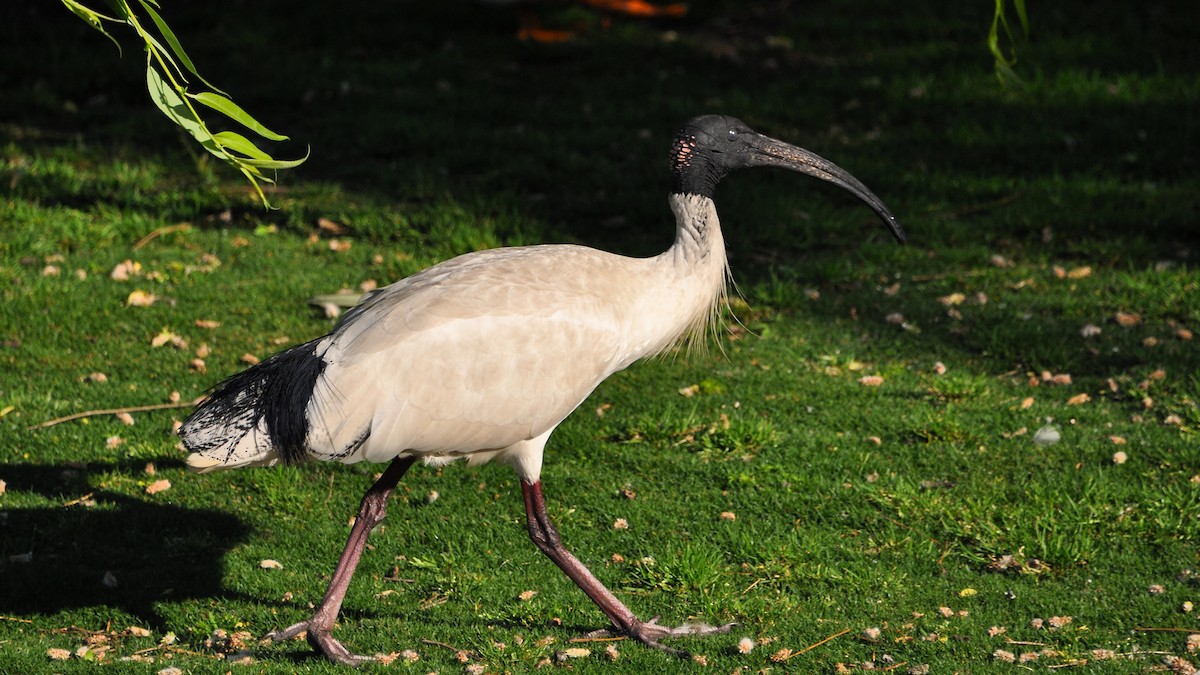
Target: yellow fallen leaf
[(1127, 319), (140, 298), (269, 564), (137, 631), (56, 654), (207, 323), (1078, 399), (952, 299), (1080, 272), (158, 486), (526, 596), (870, 380), (1027, 403)]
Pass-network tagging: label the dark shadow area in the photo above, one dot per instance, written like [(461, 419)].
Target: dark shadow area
[(117, 552), (409, 102)]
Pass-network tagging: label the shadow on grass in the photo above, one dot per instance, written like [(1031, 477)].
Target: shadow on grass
[(121, 552)]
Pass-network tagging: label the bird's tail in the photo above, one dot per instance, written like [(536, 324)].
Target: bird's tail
[(257, 417)]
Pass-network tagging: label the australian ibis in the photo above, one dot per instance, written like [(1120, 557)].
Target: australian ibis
[(480, 357)]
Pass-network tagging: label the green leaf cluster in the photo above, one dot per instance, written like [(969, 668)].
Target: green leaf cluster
[(167, 69), (1005, 62)]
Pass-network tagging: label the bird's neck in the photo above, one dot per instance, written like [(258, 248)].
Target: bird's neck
[(695, 266), (697, 231)]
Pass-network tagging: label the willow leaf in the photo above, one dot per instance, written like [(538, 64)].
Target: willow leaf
[(275, 163), (173, 42), (240, 144), (233, 111), (169, 102), (93, 19)]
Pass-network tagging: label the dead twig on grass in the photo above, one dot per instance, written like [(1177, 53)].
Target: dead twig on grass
[(116, 411)]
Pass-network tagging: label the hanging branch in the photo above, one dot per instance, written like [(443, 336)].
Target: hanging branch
[(1005, 62), (166, 79)]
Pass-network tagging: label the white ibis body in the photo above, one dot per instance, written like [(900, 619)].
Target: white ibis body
[(482, 356)]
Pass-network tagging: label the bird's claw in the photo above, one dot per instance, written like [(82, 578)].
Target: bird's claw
[(321, 639), (651, 632)]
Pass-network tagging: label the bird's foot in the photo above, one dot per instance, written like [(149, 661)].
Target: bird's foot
[(651, 632), (321, 639)]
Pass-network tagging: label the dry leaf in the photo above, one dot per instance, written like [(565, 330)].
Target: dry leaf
[(97, 377), (113, 441), (124, 270), (939, 368), (870, 380), (1000, 261), (526, 596), (620, 524), (51, 271), (1080, 272), (1127, 319), (368, 285), (340, 245), (1089, 330), (573, 653), (137, 631), (611, 653), (745, 645), (158, 486), (728, 515), (1150, 341), (330, 226), (140, 298), (56, 654), (198, 365), (125, 418), (1119, 457), (1027, 403), (203, 350), (249, 359), (207, 323), (1078, 399), (166, 336), (1117, 440), (690, 391), (1183, 334), (3, 487), (952, 299), (269, 564)]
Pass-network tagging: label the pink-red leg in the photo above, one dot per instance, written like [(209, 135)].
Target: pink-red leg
[(545, 536), (319, 627)]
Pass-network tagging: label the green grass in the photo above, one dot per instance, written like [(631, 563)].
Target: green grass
[(433, 132)]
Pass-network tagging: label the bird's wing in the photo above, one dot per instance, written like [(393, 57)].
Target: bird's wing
[(477, 353)]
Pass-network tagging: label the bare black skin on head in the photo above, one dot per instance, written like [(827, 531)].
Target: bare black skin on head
[(709, 147)]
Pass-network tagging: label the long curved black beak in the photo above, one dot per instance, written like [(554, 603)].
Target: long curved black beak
[(772, 152)]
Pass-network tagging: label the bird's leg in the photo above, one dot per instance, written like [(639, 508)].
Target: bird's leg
[(320, 626), (543, 534)]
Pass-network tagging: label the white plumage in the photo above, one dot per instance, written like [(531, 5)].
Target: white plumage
[(482, 356)]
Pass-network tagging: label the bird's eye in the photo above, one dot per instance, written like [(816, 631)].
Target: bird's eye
[(733, 134)]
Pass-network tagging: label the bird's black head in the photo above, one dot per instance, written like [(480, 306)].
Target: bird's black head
[(710, 146)]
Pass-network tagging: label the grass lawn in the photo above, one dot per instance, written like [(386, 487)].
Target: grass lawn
[(925, 524)]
